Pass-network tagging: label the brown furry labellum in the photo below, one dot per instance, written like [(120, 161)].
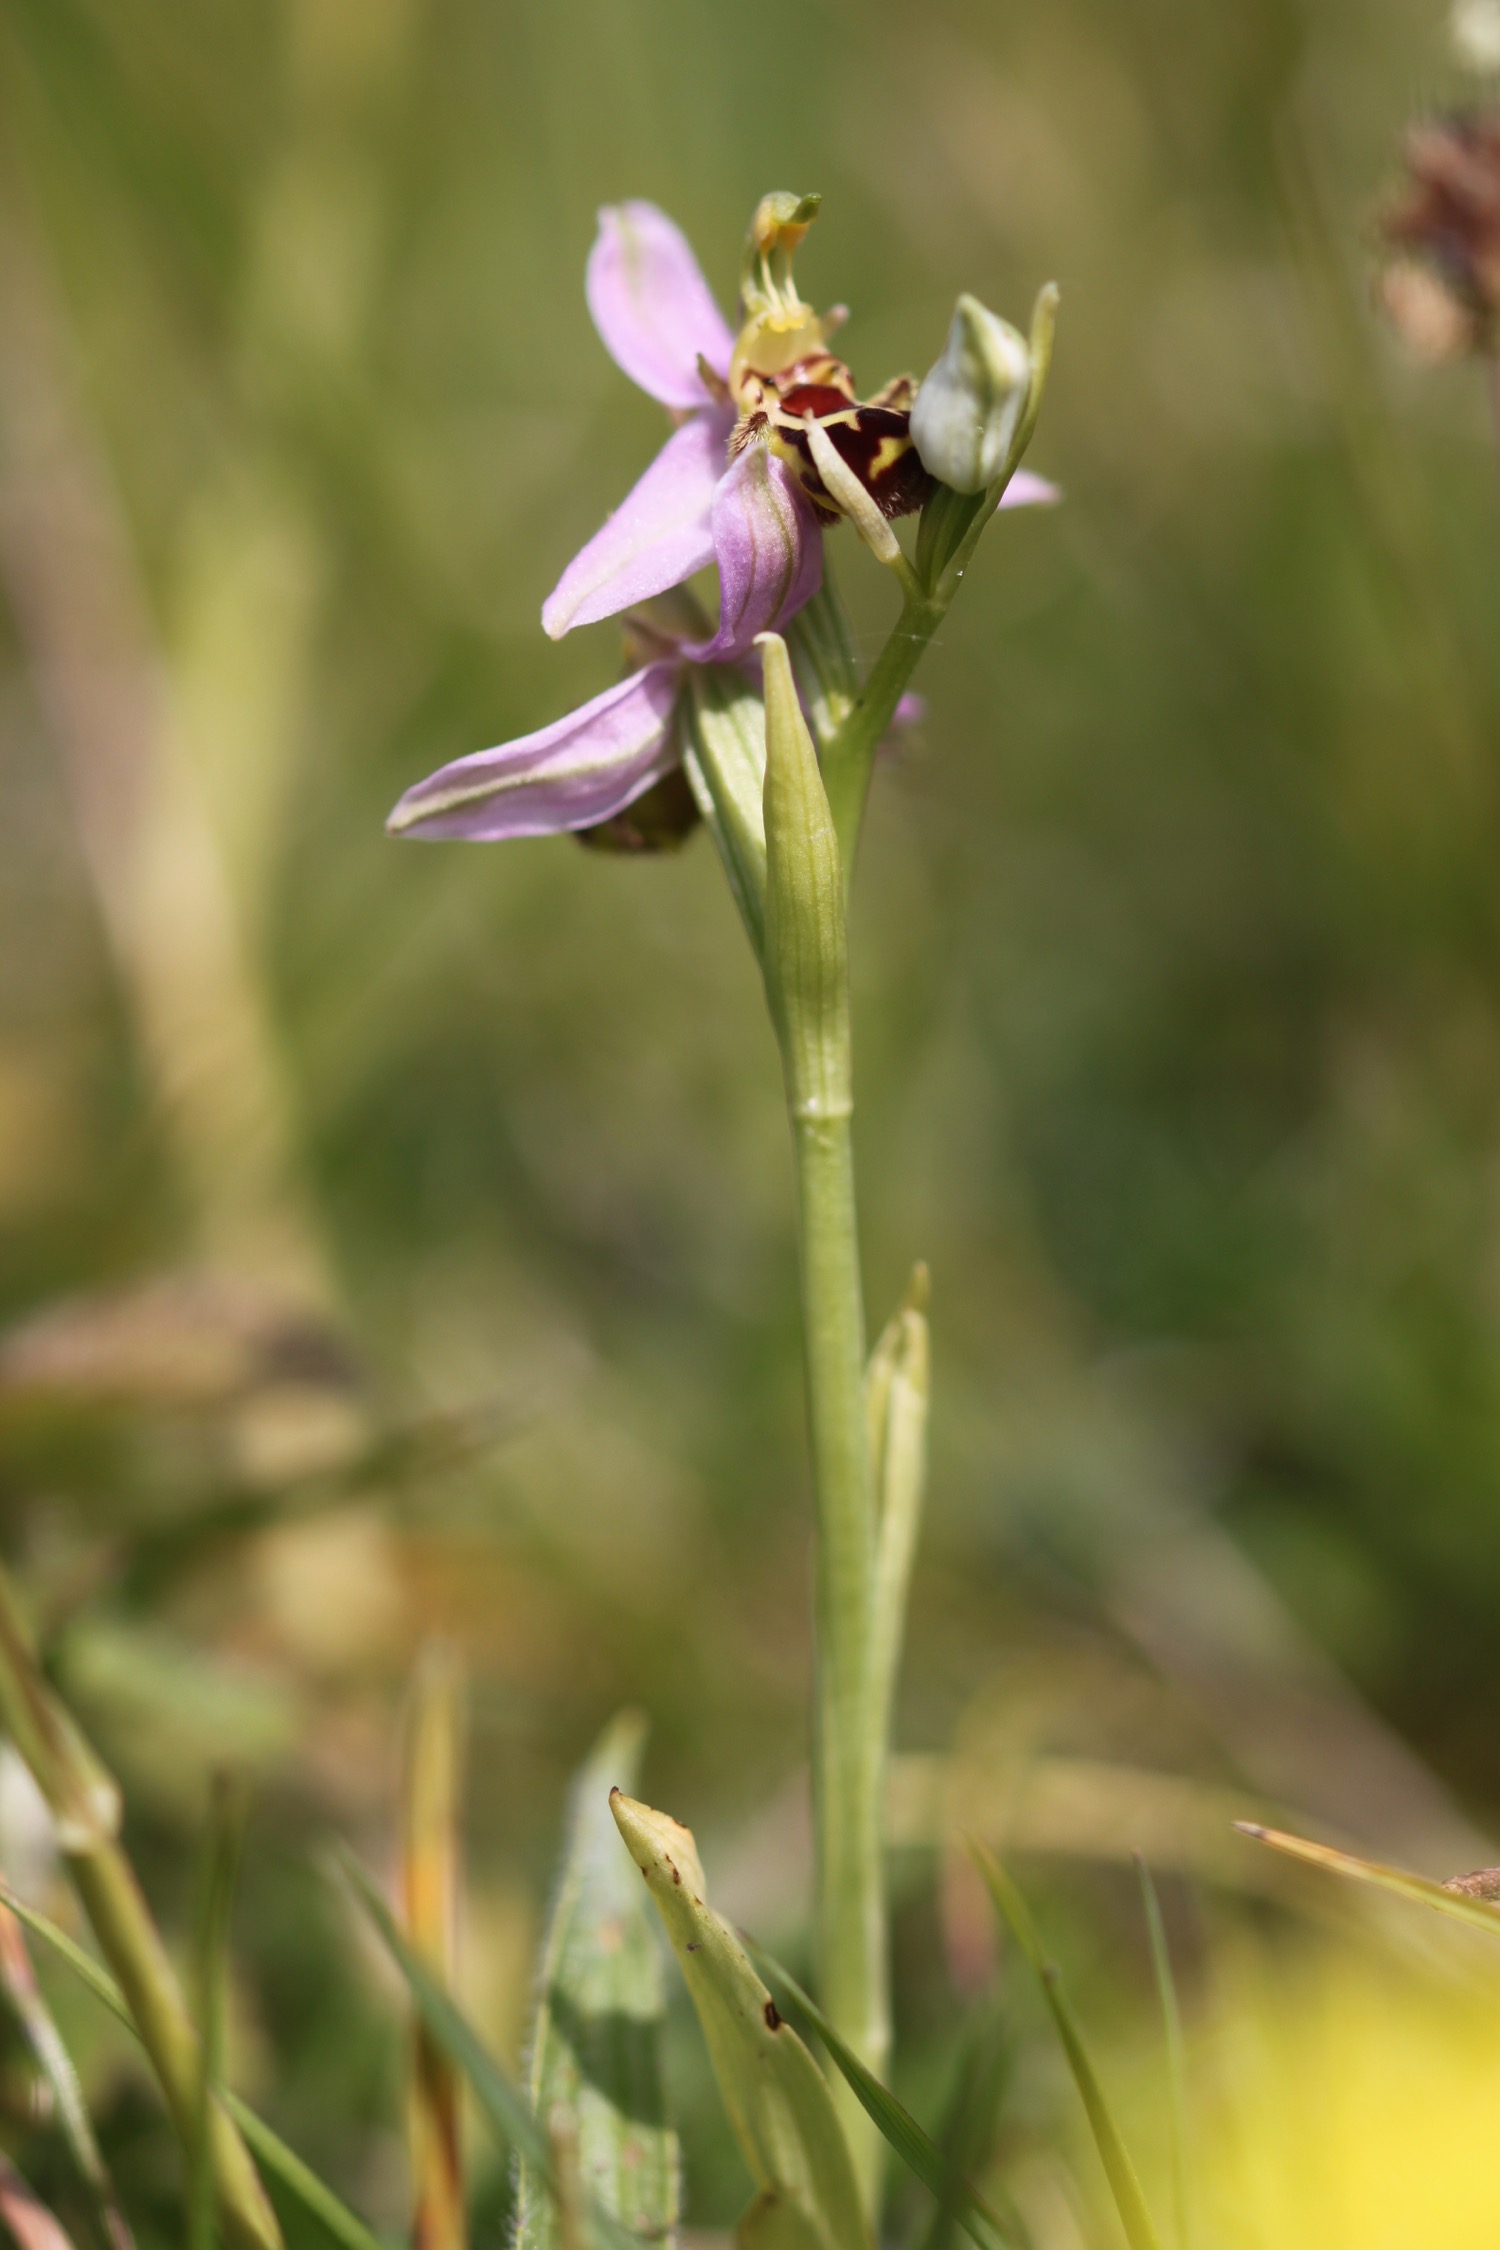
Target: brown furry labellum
[(872, 436)]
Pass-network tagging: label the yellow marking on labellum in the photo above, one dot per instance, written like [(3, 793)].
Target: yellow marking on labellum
[(872, 437)]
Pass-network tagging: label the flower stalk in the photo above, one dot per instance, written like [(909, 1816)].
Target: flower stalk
[(952, 526), (806, 967)]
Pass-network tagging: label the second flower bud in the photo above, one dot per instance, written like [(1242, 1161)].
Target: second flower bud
[(967, 410)]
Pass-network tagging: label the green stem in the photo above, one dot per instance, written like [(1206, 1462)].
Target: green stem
[(849, 759), (847, 1761), (951, 530), (806, 965), (130, 1944)]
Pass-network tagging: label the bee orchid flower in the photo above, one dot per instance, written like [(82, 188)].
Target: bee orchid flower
[(736, 484)]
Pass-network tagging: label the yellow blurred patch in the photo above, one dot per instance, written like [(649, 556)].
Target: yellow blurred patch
[(1356, 2108)]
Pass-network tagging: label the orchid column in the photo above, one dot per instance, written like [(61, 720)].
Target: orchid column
[(770, 742)]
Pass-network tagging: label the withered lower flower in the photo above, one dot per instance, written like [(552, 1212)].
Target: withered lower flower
[(1442, 284)]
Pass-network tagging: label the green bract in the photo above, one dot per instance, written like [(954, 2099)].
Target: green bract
[(776, 2097)]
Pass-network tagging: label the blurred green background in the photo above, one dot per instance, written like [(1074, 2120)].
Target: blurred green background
[(397, 1240)]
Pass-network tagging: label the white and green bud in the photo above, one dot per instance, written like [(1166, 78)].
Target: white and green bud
[(968, 409)]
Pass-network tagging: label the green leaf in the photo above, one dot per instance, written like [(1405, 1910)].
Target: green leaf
[(595, 2048), (1477, 1910), (966, 2134), (776, 2097), (1118, 2169), (300, 2182), (912, 2144), (503, 2106), (726, 767)]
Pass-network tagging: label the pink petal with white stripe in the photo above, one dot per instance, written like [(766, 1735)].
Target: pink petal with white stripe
[(580, 770), (652, 306)]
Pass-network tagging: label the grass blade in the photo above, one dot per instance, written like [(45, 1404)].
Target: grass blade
[(431, 1783), (503, 2106), (300, 2182), (1474, 1908), (912, 2143), (965, 2136), (595, 2077), (1115, 2157), (777, 2100), (56, 2064), (1171, 2018), (221, 1867)]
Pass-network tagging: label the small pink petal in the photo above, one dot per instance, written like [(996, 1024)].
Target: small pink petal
[(908, 715), (659, 535), (573, 774), (651, 305), (770, 552), (1028, 491)]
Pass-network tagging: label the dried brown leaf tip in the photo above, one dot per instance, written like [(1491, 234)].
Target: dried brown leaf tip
[(1483, 1883), (1441, 285)]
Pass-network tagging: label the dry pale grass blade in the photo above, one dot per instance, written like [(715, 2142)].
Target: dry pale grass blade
[(595, 2076), (83, 620), (56, 2065), (896, 1400), (1472, 1899), (29, 2223), (431, 1883)]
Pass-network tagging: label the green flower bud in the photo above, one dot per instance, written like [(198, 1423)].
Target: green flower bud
[(967, 410)]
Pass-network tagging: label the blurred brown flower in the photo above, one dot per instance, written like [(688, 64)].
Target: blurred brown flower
[(1442, 284)]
